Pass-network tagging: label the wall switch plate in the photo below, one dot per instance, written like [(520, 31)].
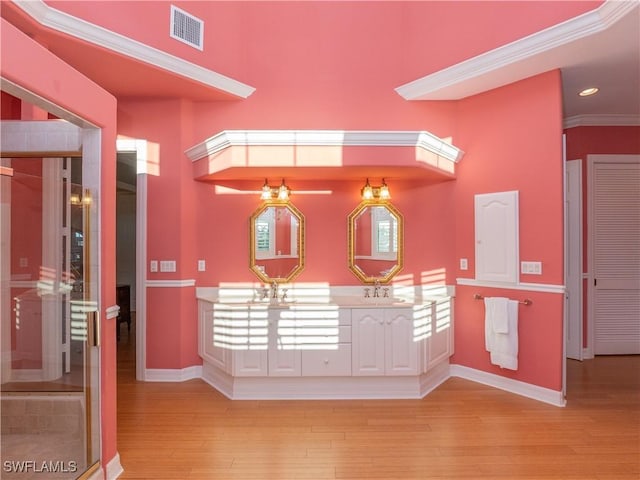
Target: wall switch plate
[(464, 264), (153, 266), (531, 268), (167, 265), (24, 262), (202, 266)]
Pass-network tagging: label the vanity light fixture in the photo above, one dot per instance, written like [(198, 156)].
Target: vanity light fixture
[(372, 192), (280, 192)]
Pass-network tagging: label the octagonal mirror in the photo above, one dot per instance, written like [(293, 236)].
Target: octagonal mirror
[(375, 241), (276, 242)]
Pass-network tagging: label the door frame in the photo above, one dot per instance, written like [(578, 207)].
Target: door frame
[(573, 254), (140, 148), (591, 161)]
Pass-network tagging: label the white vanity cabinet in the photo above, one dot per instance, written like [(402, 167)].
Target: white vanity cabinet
[(383, 342), (314, 351)]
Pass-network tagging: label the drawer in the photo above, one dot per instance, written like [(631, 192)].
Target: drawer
[(326, 363)]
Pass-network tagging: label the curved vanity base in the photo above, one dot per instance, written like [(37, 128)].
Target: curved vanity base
[(325, 388)]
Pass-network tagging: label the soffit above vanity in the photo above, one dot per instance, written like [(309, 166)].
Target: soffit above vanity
[(235, 155)]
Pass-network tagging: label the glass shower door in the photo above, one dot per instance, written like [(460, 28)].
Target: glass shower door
[(49, 325)]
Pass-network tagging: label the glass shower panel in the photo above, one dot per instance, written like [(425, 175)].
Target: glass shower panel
[(49, 358)]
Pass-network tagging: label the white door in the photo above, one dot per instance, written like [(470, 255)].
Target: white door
[(615, 253), (573, 259)]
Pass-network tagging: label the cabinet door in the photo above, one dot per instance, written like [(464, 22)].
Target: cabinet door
[(250, 363), (441, 339), (401, 349), (368, 332), (284, 356), (210, 348), (496, 224)]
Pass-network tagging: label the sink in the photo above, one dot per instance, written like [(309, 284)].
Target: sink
[(382, 300)]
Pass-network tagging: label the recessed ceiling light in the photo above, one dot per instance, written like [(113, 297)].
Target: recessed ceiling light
[(589, 91)]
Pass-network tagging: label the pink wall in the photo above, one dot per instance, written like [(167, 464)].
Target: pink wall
[(503, 154), (23, 60), (594, 140), (304, 47)]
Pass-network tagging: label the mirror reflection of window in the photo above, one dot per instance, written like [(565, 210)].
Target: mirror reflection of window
[(276, 249), (276, 234), (265, 234), (384, 234), (375, 241)]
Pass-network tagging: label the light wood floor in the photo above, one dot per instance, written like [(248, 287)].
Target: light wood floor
[(462, 430)]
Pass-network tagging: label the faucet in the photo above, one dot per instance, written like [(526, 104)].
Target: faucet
[(264, 293), (376, 288)]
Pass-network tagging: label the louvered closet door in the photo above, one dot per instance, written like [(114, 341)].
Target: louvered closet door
[(616, 257)]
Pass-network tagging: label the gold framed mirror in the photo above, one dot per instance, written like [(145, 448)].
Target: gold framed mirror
[(376, 241), (276, 242)]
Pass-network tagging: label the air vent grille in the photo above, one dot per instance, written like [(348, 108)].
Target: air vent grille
[(186, 28)]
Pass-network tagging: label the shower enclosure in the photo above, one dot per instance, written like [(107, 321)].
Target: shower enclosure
[(48, 320)]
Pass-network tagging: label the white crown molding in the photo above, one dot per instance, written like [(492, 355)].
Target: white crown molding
[(462, 79), (529, 287), (78, 28), (602, 121), (370, 138), (169, 283)]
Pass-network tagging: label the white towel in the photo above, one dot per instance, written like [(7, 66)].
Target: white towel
[(501, 331), (496, 313)]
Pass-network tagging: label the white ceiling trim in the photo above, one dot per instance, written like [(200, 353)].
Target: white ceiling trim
[(602, 121), (421, 139), (508, 63), (78, 28)]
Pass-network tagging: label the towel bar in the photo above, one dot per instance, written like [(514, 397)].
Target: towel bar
[(526, 301)]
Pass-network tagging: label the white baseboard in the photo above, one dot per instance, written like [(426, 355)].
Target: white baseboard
[(172, 375), (251, 388), (434, 378), (535, 392), (325, 388), (587, 354), (114, 468)]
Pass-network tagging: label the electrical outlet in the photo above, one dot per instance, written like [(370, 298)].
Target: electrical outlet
[(531, 268), (202, 266), (167, 265), (153, 266), (464, 265)]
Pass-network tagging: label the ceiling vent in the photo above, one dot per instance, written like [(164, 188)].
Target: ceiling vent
[(186, 28)]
